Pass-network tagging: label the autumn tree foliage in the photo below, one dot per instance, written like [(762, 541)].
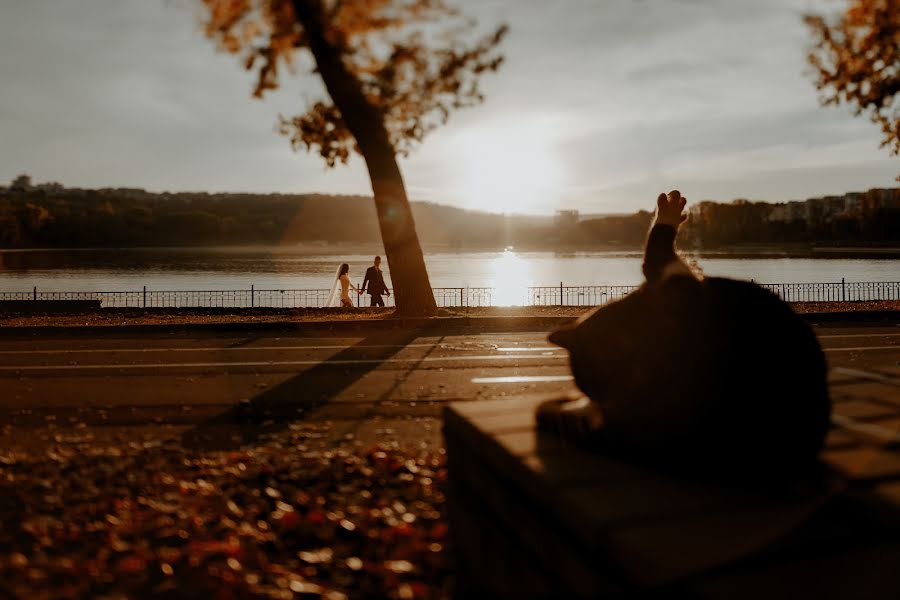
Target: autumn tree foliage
[(857, 61), (393, 70)]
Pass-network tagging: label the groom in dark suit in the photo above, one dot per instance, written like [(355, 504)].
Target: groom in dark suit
[(374, 282)]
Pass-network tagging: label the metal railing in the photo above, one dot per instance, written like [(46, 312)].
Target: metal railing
[(560, 295), (845, 291), (583, 295)]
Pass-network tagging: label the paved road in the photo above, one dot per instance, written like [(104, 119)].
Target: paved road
[(228, 389)]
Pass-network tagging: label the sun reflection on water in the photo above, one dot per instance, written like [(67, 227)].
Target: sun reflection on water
[(510, 278)]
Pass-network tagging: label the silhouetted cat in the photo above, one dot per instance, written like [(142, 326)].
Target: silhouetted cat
[(696, 373)]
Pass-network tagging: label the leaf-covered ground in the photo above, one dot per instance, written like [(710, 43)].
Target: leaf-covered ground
[(295, 517)]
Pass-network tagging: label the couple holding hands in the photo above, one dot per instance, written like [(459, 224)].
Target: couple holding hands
[(373, 282)]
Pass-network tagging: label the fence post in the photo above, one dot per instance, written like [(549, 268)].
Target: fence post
[(145, 296), (252, 296), (843, 290), (561, 303), (461, 297), (35, 293)]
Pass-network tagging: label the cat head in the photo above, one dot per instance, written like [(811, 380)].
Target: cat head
[(564, 338)]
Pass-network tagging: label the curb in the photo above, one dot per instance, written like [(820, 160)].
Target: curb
[(424, 324), (861, 316), (493, 323)]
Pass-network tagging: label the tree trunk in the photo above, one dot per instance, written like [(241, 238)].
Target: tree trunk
[(412, 288)]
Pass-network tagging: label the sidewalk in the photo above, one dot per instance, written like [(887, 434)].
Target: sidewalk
[(525, 318)]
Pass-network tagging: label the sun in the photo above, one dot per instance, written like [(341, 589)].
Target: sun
[(513, 168)]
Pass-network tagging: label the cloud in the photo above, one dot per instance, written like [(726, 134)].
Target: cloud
[(645, 93)]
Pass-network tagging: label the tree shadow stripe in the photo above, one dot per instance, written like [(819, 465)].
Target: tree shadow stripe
[(272, 410)]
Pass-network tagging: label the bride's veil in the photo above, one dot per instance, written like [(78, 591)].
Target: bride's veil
[(334, 294)]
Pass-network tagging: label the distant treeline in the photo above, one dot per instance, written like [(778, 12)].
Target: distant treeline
[(109, 218), (39, 219)]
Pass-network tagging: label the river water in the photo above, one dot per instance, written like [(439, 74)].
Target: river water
[(301, 268)]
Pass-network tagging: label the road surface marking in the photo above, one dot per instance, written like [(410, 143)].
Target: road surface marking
[(523, 379), (373, 346), (873, 430), (858, 335), (346, 346), (251, 348), (275, 363), (551, 378), (213, 349), (532, 349), (867, 375), (861, 348)]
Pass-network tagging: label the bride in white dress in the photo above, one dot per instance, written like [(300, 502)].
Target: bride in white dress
[(342, 283)]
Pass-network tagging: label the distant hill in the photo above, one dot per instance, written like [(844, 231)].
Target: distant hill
[(52, 216), (117, 218)]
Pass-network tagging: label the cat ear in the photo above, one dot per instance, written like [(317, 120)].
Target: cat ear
[(563, 337)]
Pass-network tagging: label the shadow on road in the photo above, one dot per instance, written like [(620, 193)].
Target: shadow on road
[(274, 409)]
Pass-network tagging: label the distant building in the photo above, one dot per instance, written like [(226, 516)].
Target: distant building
[(780, 213), (820, 211), (874, 199), (834, 205), (567, 218), (815, 211), (892, 201), (852, 202), (796, 210)]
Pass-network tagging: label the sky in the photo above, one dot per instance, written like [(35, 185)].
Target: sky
[(601, 105)]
